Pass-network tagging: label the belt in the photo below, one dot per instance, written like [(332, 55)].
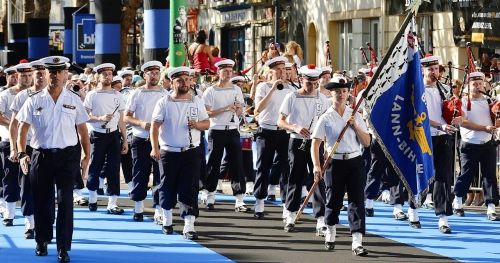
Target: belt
[(345, 156), (296, 136), (107, 130), (140, 138), (224, 128), (177, 149), (55, 150), (270, 127)]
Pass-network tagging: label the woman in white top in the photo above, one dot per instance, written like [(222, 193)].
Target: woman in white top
[(346, 161)]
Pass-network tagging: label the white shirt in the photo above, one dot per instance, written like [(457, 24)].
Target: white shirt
[(173, 115), (142, 103), (479, 114), (101, 102), (6, 99), (270, 114), (329, 126), (18, 102), (216, 98), (53, 123), (435, 107), (303, 110)]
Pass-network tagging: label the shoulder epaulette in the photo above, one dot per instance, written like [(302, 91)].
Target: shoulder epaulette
[(30, 94)]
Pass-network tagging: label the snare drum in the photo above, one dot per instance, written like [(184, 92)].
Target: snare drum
[(246, 139)]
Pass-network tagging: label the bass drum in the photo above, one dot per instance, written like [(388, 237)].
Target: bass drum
[(246, 139)]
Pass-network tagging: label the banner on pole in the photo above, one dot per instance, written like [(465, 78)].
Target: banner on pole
[(84, 38)]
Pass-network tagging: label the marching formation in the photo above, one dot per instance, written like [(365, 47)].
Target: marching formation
[(189, 127)]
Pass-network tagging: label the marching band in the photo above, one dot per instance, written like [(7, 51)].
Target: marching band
[(52, 134)]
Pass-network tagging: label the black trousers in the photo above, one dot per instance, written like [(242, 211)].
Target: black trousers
[(142, 166), (218, 140), (179, 175), (381, 171), (301, 167), (11, 187), (472, 156), (271, 145), (442, 150), (126, 162), (59, 166), (247, 156), (107, 149), (345, 175), (203, 161)]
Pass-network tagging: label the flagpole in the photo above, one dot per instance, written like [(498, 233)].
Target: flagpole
[(358, 104)]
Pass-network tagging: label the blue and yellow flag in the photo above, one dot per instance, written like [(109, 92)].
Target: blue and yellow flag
[(398, 113)]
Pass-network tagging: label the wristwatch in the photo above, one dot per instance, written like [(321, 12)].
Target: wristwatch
[(21, 155)]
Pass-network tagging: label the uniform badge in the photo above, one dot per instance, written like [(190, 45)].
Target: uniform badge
[(69, 106)]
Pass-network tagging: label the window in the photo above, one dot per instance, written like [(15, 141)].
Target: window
[(374, 36), (345, 45), (424, 33)]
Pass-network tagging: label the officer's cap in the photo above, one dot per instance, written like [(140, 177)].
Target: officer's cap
[(309, 71), (23, 67), (280, 60), (476, 75), (54, 63), (178, 71), (337, 82), (150, 65), (225, 63), (430, 61), (104, 66)]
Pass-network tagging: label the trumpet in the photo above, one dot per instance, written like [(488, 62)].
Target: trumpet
[(191, 145)]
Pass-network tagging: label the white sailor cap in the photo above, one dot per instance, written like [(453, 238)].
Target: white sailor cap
[(83, 77), (104, 66), (430, 61), (178, 71), (237, 78), (325, 70), (23, 67), (225, 63), (116, 79), (125, 72), (150, 65), (37, 65), (288, 65), (55, 62), (337, 82), (309, 71), (365, 71), (279, 60), (478, 75), (10, 70)]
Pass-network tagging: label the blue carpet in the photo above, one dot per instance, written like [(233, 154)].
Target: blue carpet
[(99, 237)]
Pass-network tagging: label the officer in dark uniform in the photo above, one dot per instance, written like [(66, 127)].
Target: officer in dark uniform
[(52, 114), (345, 170), (183, 115)]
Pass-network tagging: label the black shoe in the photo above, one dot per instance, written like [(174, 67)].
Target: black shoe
[(81, 202), (400, 216), (320, 232), (271, 198), (369, 212), (242, 209), (289, 228), (29, 234), (459, 212), (100, 191), (167, 230), (219, 191), (360, 251), (415, 224), (63, 256), (93, 207), (343, 208), (138, 217), (210, 207), (329, 245), (258, 215), (41, 249), (493, 217), (115, 211), (445, 229), (191, 235), (8, 222)]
